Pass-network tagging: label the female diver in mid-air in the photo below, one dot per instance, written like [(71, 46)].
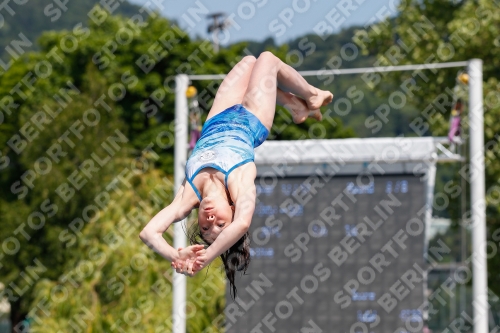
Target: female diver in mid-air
[(220, 172)]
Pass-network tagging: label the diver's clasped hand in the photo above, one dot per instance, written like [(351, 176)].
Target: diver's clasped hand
[(190, 260)]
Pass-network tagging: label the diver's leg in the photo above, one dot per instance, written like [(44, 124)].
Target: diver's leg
[(233, 87), (268, 73)]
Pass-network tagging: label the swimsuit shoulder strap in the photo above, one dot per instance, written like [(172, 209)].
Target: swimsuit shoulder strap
[(234, 167), (190, 181)]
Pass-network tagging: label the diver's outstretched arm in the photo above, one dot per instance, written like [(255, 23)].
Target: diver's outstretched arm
[(152, 234)]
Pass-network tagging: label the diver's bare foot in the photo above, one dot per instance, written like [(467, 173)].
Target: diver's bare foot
[(299, 110), (318, 99)]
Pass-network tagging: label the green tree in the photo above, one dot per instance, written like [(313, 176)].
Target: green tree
[(47, 187), (438, 31)]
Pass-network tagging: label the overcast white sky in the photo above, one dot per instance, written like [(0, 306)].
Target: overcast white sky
[(281, 19)]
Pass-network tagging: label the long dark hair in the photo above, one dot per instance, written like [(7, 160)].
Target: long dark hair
[(237, 258)]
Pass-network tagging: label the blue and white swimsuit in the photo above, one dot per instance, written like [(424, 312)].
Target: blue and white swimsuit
[(227, 142)]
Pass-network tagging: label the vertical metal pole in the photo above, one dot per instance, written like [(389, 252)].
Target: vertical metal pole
[(180, 156), (463, 210), (429, 200), (477, 189)]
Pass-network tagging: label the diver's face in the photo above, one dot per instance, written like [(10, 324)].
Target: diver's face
[(214, 215)]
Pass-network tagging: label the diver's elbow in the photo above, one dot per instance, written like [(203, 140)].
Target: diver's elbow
[(245, 225), (145, 235)]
